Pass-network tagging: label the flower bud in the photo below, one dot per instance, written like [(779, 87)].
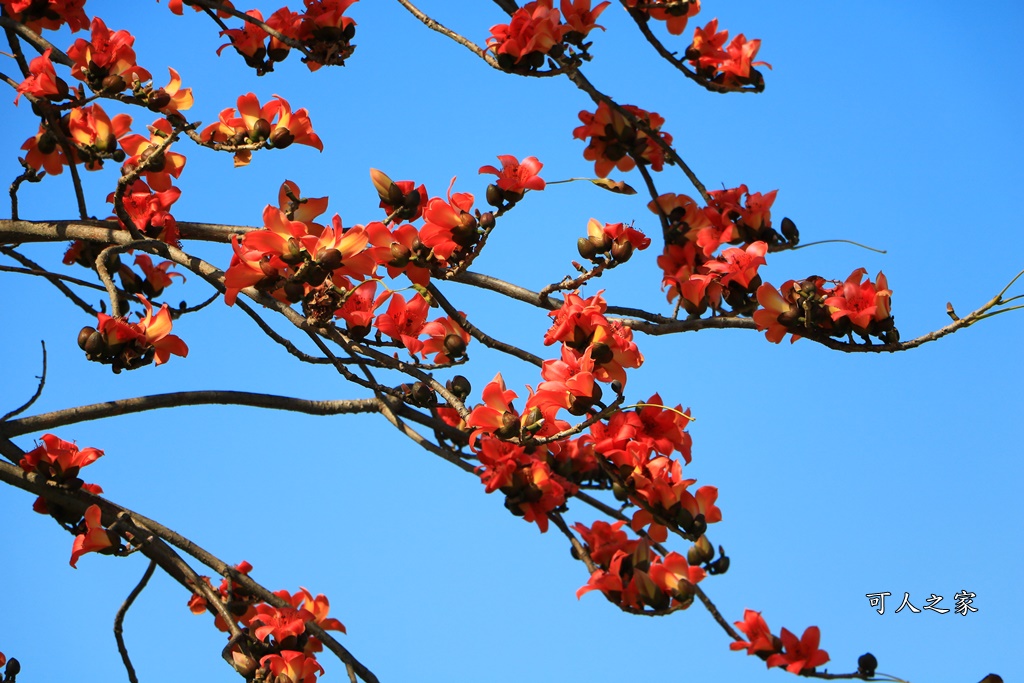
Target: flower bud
[(329, 259), (281, 137), (601, 241), (487, 220), (622, 251), (84, 335), (112, 84), (47, 143), (789, 231), (13, 668), (700, 552), (454, 346), (459, 386), (400, 255), (294, 291), (601, 353), (866, 665), (587, 249), (260, 130), (95, 345), (158, 99), (494, 195), (700, 525)]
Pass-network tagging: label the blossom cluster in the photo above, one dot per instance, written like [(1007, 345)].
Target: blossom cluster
[(835, 309), (796, 655), (538, 30), (278, 641), (615, 140), (728, 66), (125, 345), (322, 30), (692, 272)]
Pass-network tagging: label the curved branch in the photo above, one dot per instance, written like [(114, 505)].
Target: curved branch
[(119, 620), (35, 397)]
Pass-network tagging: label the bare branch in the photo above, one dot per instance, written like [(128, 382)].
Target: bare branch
[(119, 620), (35, 397)]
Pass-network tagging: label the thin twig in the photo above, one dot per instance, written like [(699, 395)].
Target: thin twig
[(119, 620), (35, 268), (35, 397), (436, 26)]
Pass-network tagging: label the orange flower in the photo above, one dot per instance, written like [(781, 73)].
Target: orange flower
[(159, 168), (516, 177), (95, 538), (107, 62), (58, 459), (800, 654), (616, 143), (291, 666), (756, 630), (42, 81)]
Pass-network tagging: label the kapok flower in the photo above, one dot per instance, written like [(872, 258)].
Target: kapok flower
[(534, 29), (159, 168), (249, 41), (157, 277), (291, 666), (674, 575), (44, 152), (151, 211), (674, 13), (47, 14), (171, 98), (730, 66), (448, 340), (739, 265), (95, 538), (404, 321), (777, 313), (94, 133), (616, 143), (615, 239), (860, 302), (42, 80), (799, 654), (759, 638), (57, 459), (279, 622), (126, 345), (400, 198), (107, 62), (448, 226), (515, 177)]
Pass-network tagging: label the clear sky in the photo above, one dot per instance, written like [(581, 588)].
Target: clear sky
[(897, 125)]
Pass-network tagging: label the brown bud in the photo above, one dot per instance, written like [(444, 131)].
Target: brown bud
[(329, 259), (601, 353), (400, 255), (294, 291), (622, 251), (281, 137), (454, 347), (601, 242), (789, 231), (586, 248), (260, 130), (112, 84), (459, 386), (494, 195), (95, 345), (382, 183), (487, 220), (84, 335), (47, 143), (700, 552), (866, 665), (158, 99)]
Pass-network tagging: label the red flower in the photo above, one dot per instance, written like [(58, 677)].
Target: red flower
[(95, 538), (774, 306), (107, 62), (279, 622), (447, 340), (739, 265), (860, 302), (159, 168), (43, 81), (616, 143), (800, 655), (157, 277), (291, 666), (534, 29), (58, 459), (517, 177), (150, 211), (448, 226), (404, 321), (760, 639), (674, 575), (48, 14), (675, 14)]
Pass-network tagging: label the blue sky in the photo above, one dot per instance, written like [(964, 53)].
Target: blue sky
[(839, 475)]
